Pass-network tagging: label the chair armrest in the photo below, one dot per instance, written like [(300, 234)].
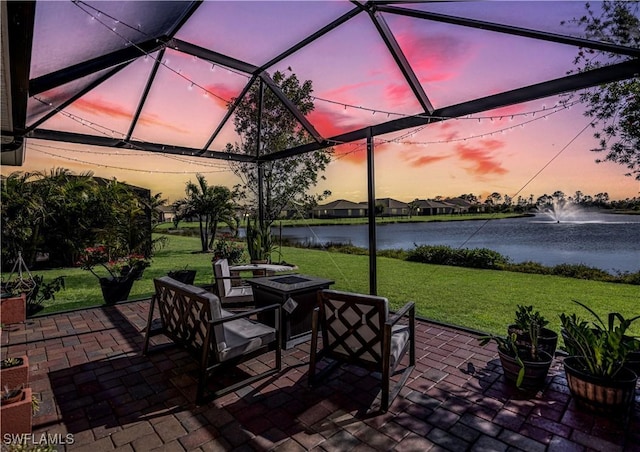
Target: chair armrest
[(409, 308), (245, 314)]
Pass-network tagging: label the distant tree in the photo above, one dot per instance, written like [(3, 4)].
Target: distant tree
[(285, 180), (493, 199), (558, 196), (470, 197), (601, 199), (615, 107)]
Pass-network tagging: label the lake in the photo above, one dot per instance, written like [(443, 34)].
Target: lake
[(610, 242)]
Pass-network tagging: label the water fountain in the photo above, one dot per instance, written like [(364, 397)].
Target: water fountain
[(563, 212)]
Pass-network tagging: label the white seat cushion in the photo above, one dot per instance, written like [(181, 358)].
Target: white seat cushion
[(399, 340), (243, 336)]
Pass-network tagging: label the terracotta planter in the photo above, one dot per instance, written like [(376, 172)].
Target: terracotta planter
[(602, 395), (547, 340), (16, 376), (115, 289), (535, 372), (16, 417), (13, 309)]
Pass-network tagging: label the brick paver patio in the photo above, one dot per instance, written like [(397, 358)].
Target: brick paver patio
[(93, 382)]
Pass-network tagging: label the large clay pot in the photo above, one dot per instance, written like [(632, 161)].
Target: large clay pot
[(115, 289), (535, 372), (603, 395)]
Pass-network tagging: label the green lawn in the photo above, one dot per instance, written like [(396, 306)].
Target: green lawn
[(479, 299)]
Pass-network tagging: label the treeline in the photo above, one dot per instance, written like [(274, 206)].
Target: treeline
[(56, 215), (496, 202)]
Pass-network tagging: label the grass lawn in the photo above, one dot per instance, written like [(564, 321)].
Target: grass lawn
[(480, 299)]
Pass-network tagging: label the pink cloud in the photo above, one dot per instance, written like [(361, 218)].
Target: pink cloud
[(434, 58), (221, 94), (330, 122), (481, 157)]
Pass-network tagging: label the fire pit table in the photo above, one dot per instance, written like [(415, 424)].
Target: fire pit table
[(298, 295)]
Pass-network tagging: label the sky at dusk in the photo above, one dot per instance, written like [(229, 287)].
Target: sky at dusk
[(533, 148)]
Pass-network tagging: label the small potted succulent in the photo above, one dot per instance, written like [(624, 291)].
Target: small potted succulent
[(596, 368), (14, 371)]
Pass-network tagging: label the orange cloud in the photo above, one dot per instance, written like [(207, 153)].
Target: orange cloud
[(100, 107), (482, 158), (351, 152), (427, 160)]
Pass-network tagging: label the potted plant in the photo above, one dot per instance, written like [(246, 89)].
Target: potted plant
[(226, 248), (259, 242), (595, 368), (16, 410), (183, 275), (524, 319), (524, 363), (120, 274), (14, 371)]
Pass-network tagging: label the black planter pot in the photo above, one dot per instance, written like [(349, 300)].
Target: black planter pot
[(547, 340), (535, 372), (602, 395), (115, 289), (184, 276)]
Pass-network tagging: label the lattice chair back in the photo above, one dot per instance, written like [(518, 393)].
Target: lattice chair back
[(184, 314), (352, 326), (359, 329)]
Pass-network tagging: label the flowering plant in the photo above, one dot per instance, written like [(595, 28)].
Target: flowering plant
[(131, 265), (225, 248)]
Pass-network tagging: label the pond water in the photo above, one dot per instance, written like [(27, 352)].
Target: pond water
[(607, 241)]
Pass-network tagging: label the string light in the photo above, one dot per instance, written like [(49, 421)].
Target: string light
[(206, 91)]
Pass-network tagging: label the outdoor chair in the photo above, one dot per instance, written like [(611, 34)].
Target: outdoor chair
[(231, 295), (192, 318), (358, 329)]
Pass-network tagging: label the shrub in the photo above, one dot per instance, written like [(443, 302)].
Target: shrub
[(529, 267), (581, 271), (459, 257)]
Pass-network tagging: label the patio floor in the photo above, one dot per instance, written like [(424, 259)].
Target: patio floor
[(93, 382)]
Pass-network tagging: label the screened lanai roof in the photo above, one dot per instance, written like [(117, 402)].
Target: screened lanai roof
[(162, 76)]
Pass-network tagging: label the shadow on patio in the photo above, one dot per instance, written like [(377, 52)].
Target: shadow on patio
[(94, 383)]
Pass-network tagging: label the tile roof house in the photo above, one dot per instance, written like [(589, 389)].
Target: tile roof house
[(391, 207), (340, 208), (431, 207)]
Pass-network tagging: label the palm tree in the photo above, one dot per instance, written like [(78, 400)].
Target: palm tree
[(211, 204)]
